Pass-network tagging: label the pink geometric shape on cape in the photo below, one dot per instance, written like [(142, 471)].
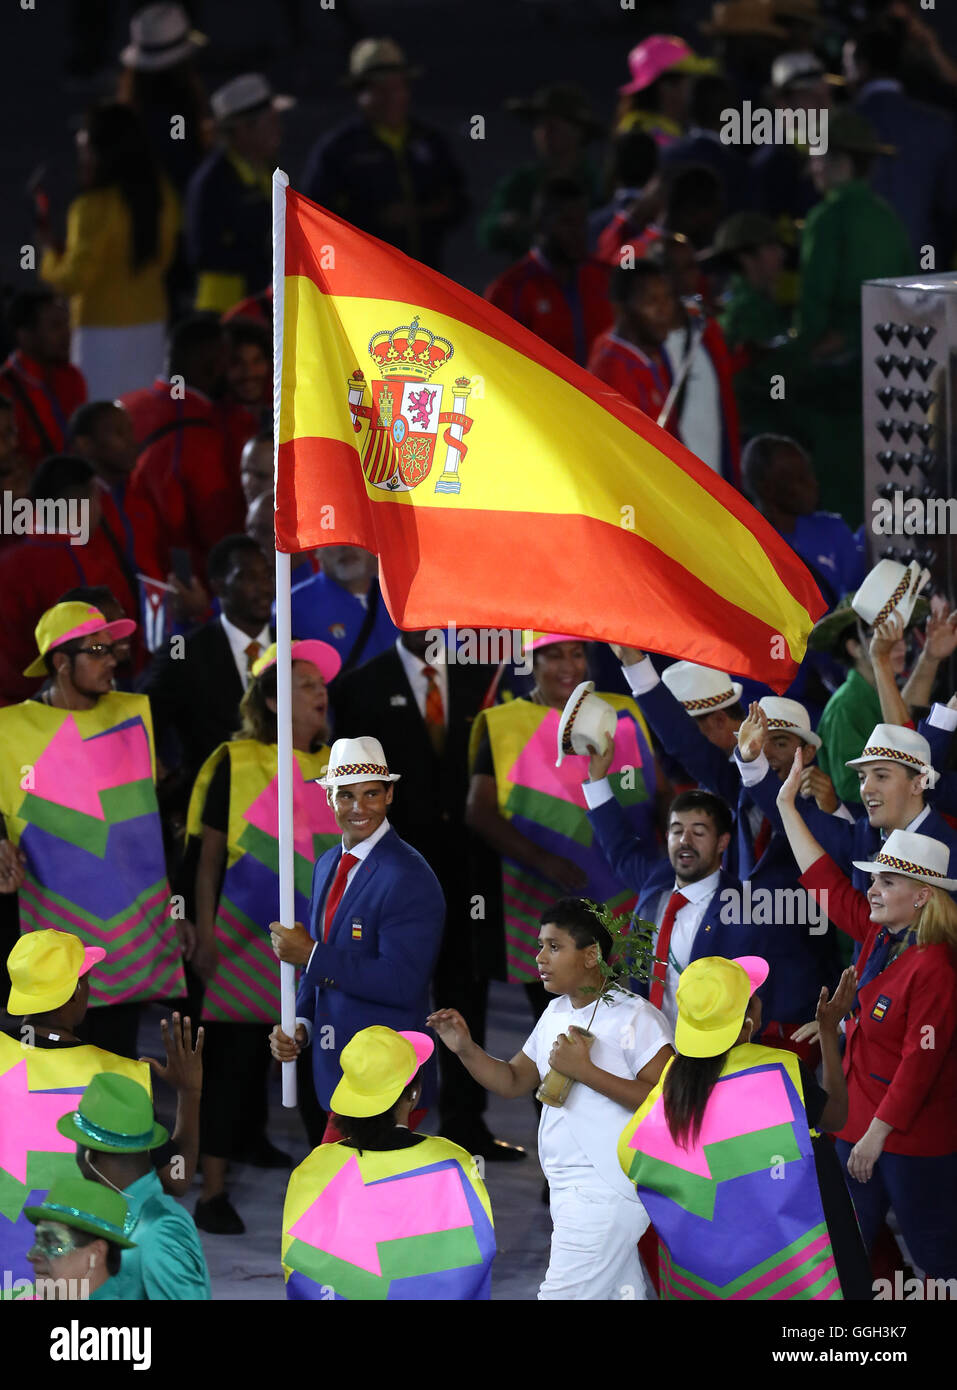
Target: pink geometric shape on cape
[(72, 771), (28, 1121), (535, 765), (349, 1220), (756, 1101), (311, 812)]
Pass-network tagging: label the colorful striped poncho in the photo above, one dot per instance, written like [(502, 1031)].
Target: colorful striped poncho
[(738, 1214), (78, 795)]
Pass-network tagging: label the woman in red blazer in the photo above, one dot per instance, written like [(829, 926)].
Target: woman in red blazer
[(899, 1146)]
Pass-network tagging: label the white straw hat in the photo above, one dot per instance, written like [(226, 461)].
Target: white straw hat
[(354, 760), (160, 37), (585, 722), (788, 717), (889, 588), (915, 856), (245, 94), (701, 689), (892, 743)]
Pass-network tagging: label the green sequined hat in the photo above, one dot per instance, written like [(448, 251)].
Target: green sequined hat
[(115, 1115), (85, 1206)]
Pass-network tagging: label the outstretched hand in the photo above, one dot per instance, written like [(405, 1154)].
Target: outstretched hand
[(831, 1011), (886, 636), (184, 1061), (752, 733), (792, 783), (600, 762), (451, 1028)]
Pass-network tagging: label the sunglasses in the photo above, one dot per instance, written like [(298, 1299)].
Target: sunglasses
[(98, 651)]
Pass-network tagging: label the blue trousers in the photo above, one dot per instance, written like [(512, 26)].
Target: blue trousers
[(923, 1193)]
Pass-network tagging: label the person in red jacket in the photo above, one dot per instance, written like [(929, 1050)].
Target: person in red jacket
[(693, 203), (37, 378), (557, 290), (246, 404), (183, 471), (630, 357), (38, 568), (899, 1145)]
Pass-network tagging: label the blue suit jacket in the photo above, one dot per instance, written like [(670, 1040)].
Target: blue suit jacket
[(377, 964)]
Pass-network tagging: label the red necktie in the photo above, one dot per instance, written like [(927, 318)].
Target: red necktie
[(762, 839), (434, 711), (336, 891), (657, 992)]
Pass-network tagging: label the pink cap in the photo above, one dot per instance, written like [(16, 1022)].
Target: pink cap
[(548, 639), (424, 1047), (324, 657), (648, 60), (755, 967)]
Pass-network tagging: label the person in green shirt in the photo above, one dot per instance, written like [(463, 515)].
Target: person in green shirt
[(79, 1240), (114, 1122), (562, 126), (850, 236)]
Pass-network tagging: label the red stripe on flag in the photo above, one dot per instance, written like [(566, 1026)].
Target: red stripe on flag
[(436, 553)]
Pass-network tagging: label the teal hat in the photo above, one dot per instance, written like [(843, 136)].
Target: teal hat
[(115, 1115), (86, 1206)]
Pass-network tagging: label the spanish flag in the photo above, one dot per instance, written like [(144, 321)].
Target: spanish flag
[(500, 484)]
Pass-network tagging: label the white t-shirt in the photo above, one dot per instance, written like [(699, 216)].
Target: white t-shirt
[(700, 423), (578, 1140)]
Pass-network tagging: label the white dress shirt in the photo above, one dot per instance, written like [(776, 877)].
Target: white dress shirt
[(419, 681), (239, 641)]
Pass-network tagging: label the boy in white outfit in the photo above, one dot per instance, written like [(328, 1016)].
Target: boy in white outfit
[(596, 1217)]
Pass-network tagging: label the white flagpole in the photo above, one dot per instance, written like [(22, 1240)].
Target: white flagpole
[(287, 900)]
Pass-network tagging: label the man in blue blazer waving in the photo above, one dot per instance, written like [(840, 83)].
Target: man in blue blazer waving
[(376, 915), (687, 894)]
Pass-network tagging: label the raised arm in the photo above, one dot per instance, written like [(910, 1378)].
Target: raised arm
[(519, 1077), (885, 638)]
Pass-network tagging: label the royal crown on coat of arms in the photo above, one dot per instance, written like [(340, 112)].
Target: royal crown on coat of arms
[(404, 417)]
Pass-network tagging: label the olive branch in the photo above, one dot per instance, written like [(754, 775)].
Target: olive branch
[(632, 956)]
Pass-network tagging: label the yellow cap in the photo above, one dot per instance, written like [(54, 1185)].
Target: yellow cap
[(65, 622), (713, 995), (377, 1065), (44, 967)]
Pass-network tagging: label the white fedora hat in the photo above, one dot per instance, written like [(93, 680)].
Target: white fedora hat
[(354, 760), (889, 588), (586, 720), (914, 856), (245, 94), (160, 37), (892, 743), (788, 717), (700, 688)]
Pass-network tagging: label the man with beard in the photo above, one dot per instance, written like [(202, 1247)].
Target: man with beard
[(685, 893)]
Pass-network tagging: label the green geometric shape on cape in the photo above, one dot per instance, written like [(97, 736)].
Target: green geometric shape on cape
[(91, 834), (264, 848), (426, 1254), (13, 1193), (731, 1158), (400, 1259), (552, 813), (629, 796)]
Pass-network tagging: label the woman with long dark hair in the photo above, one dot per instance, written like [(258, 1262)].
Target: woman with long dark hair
[(121, 236), (721, 1155)]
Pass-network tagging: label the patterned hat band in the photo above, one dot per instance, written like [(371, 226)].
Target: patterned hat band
[(905, 866), (110, 1136), (90, 1216), (357, 770), (893, 755), (786, 724), (693, 706), (893, 601), (569, 723)]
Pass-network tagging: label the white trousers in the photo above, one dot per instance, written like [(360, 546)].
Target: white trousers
[(117, 360), (594, 1252)]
